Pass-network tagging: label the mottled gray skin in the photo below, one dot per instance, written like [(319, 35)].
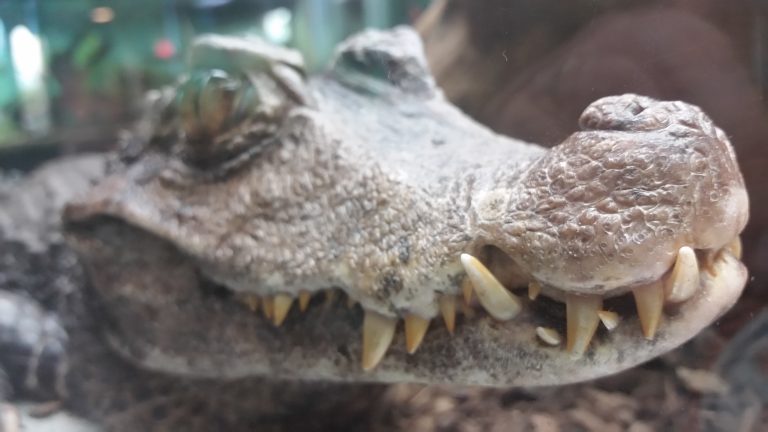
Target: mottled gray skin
[(366, 179), (52, 348)]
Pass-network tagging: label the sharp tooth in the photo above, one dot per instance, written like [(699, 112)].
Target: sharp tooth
[(683, 282), (378, 331), (415, 329), (548, 335), (268, 307), (252, 301), (466, 291), (282, 306), (581, 314), (534, 289), (304, 298), (734, 247), (500, 303), (448, 310), (649, 300), (330, 297), (708, 262), (609, 319)]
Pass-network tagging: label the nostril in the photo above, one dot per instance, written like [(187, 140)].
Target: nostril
[(636, 108)]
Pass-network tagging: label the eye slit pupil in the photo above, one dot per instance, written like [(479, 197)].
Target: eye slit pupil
[(215, 104), (210, 103), (213, 96)]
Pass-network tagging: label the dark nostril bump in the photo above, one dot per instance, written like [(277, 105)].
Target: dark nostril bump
[(636, 108)]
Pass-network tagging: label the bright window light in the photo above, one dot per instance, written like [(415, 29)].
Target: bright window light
[(27, 57), (29, 70), (102, 15), (277, 25)]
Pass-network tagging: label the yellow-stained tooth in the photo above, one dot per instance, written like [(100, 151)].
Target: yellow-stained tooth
[(548, 335), (253, 302), (609, 319), (495, 299), (735, 248), (304, 298), (351, 302), (581, 315), (378, 331), (282, 306), (708, 261), (330, 296), (534, 289), (268, 307), (448, 310), (415, 329), (683, 281), (466, 291), (650, 301)]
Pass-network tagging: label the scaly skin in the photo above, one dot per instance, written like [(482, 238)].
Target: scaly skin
[(257, 182), (51, 347)]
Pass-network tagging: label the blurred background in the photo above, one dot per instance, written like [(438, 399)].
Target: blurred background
[(72, 72)]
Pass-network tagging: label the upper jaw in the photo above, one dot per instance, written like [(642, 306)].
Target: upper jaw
[(610, 207)]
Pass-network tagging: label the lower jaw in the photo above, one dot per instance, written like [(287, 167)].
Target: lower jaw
[(230, 342)]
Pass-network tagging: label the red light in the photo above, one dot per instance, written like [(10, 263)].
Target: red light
[(164, 49)]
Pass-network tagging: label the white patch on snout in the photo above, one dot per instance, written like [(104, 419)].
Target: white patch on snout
[(492, 204), (732, 219)]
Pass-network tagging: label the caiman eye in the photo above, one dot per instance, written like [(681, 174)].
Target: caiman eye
[(212, 104)]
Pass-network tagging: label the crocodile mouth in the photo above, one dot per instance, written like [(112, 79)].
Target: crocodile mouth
[(164, 313), (694, 272), (645, 310)]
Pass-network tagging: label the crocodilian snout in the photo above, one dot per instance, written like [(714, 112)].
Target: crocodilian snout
[(602, 229), (646, 202)]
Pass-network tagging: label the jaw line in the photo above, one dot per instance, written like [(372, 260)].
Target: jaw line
[(325, 344)]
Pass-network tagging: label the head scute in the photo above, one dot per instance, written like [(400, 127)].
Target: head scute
[(374, 60)]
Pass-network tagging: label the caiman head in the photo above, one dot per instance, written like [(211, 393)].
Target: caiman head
[(249, 188)]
